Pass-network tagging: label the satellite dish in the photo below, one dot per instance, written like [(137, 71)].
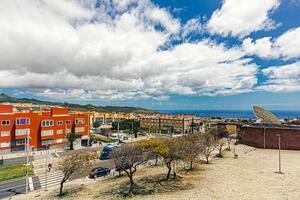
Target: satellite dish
[(265, 116)]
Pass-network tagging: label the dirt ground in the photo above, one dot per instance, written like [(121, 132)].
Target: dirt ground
[(251, 176)]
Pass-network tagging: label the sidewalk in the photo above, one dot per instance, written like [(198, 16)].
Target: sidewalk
[(31, 153), (41, 152)]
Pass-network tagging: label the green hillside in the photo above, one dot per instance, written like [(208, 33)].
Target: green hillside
[(78, 107)]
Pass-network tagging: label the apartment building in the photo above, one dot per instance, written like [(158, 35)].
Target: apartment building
[(177, 123), (45, 129), (108, 118)]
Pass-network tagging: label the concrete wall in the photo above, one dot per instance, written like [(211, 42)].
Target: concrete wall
[(267, 137)]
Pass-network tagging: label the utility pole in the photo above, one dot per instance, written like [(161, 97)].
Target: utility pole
[(264, 137), (279, 154), (159, 125), (182, 125), (192, 125), (27, 161), (46, 167)]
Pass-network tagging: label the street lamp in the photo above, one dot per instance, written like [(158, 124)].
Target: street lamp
[(46, 171), (27, 160), (279, 154)]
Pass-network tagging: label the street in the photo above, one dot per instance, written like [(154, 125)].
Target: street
[(15, 187), (14, 161)]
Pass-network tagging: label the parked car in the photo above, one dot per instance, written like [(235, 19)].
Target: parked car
[(99, 171)]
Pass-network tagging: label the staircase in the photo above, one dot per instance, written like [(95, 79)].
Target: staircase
[(39, 167)]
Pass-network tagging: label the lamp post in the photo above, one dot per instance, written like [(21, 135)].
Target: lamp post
[(27, 160), (46, 167), (279, 154)]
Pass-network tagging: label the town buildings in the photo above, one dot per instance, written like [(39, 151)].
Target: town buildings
[(170, 123), (44, 129)]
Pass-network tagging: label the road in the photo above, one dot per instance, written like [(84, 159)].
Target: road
[(99, 163), (15, 187), (14, 161), (18, 186)]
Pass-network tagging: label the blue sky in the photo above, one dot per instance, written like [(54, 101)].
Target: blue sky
[(160, 54)]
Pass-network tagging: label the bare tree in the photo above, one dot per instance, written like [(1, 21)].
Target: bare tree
[(208, 144), (220, 144), (79, 161), (127, 158), (189, 148)]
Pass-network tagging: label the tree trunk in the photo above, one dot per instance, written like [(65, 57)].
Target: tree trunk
[(71, 145), (169, 171), (61, 188), (191, 164), (131, 183), (220, 151), (207, 157), (228, 140), (156, 160)]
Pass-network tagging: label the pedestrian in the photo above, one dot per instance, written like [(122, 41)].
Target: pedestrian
[(49, 167)]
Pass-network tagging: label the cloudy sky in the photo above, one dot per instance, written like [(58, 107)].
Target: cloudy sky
[(173, 54)]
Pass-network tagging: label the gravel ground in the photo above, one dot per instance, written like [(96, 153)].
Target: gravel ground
[(251, 176)]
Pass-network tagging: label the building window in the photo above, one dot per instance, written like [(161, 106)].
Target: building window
[(79, 129), (5, 133), (59, 131), (23, 121), (20, 142), (68, 122), (46, 132), (79, 121), (68, 130), (5, 122), (59, 122), (4, 144), (22, 131), (46, 142), (47, 123)]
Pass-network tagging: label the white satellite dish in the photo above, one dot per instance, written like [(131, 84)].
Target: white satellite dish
[(265, 116)]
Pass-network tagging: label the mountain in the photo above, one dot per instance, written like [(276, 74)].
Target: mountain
[(77, 107)]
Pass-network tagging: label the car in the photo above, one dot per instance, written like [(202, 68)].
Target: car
[(106, 152), (99, 171)]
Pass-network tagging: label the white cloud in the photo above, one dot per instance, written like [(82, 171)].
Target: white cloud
[(239, 18), (112, 52), (285, 46), (284, 78)]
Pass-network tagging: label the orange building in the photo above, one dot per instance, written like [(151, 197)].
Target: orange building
[(48, 128)]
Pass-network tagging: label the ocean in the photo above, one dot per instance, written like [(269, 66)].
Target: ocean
[(232, 113)]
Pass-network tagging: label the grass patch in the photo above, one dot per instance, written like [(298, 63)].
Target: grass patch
[(14, 171), (102, 138)]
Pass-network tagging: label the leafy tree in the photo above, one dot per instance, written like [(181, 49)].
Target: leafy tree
[(165, 148), (71, 138), (170, 155), (80, 161), (126, 125), (127, 158), (156, 146), (96, 124)]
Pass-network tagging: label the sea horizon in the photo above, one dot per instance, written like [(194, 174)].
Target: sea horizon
[(281, 114)]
